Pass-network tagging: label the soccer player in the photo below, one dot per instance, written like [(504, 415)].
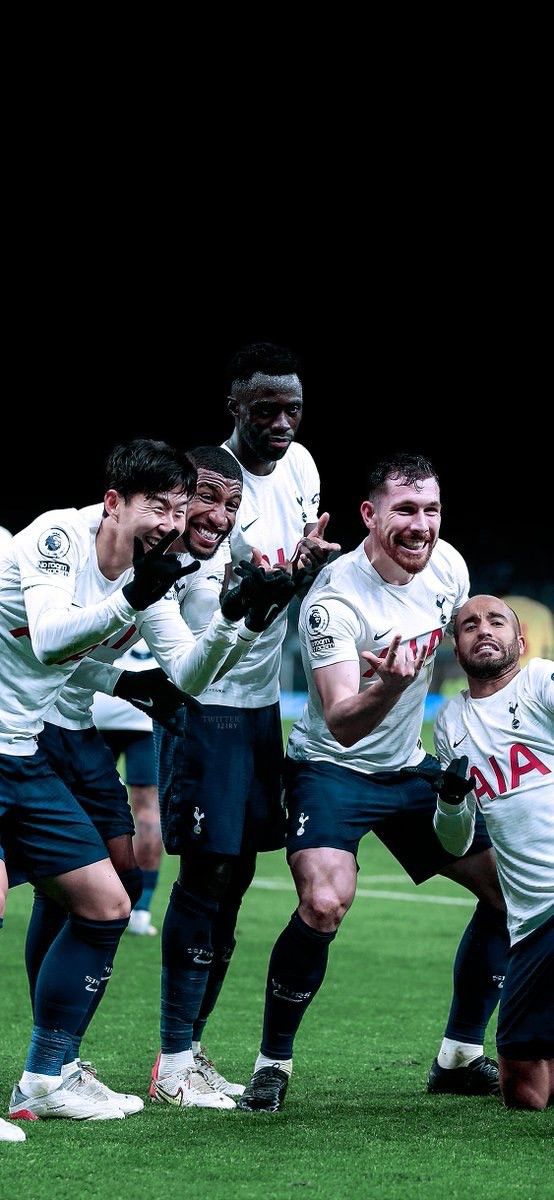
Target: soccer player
[(72, 580), (78, 754), (220, 788), (369, 629), (127, 731), (503, 724)]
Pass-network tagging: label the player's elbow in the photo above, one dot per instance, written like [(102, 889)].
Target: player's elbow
[(50, 656), (187, 680), (341, 733)]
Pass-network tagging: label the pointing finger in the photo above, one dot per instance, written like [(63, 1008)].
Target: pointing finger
[(322, 523)]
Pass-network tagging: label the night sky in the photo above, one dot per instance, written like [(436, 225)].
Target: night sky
[(369, 388)]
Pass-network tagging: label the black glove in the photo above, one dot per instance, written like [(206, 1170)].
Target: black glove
[(155, 572), (259, 597), (453, 785), (153, 693)]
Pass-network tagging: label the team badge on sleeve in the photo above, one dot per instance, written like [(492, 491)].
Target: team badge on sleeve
[(53, 543), (317, 619)]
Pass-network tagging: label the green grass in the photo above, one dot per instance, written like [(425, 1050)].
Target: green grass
[(357, 1120)]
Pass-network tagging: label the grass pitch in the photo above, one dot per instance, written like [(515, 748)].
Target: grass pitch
[(357, 1120)]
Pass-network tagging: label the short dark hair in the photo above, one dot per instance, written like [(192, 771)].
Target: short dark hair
[(150, 467), (262, 357), (400, 465), (216, 458)]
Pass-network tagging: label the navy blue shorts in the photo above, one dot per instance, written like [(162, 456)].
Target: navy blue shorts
[(220, 785), (526, 1013), (45, 832), (137, 747), (82, 760), (330, 805)]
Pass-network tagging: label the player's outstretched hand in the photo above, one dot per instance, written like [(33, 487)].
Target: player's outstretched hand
[(313, 550), (153, 693), (155, 572)]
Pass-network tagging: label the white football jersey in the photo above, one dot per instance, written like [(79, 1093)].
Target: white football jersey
[(350, 608), (273, 513), (509, 740), (57, 550), (198, 598)]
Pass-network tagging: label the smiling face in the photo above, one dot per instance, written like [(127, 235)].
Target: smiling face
[(149, 518), (488, 641), (404, 521), (212, 512)]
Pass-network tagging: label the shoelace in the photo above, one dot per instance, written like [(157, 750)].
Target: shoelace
[(207, 1068)]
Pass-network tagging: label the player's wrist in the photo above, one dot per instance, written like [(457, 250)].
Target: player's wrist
[(449, 808)]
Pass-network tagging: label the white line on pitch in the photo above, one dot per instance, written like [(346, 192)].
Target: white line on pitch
[(279, 885)]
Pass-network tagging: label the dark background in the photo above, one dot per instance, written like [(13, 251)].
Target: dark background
[(462, 389)]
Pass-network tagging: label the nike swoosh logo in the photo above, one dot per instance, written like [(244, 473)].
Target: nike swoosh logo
[(378, 636), (143, 703), (461, 740), (245, 527)]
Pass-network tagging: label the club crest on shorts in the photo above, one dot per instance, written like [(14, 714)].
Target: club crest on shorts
[(302, 820), (198, 817)]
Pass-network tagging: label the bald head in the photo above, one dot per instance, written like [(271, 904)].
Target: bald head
[(488, 638), (482, 606)]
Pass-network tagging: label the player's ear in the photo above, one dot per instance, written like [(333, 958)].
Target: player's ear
[(521, 643), (367, 510), (112, 500), (233, 405)]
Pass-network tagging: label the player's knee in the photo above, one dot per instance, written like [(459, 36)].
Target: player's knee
[(523, 1088), (111, 904), (116, 908), (521, 1093), (324, 908)]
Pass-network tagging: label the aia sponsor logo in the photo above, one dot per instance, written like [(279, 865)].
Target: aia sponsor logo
[(521, 761)]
